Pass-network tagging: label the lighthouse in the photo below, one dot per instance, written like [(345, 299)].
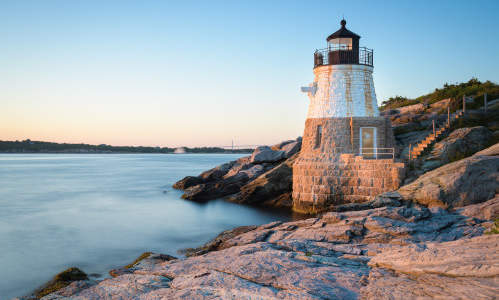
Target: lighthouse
[(348, 150)]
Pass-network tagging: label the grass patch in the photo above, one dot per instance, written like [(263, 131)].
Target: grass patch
[(495, 228), (141, 257), (60, 281), (472, 88)]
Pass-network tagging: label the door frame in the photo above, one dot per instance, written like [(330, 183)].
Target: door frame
[(375, 141)]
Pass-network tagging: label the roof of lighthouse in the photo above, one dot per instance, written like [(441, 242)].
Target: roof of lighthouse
[(343, 32)]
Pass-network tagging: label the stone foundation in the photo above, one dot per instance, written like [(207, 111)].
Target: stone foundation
[(330, 170), (321, 183)]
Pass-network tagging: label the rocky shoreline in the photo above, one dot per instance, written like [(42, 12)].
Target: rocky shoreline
[(434, 237), (390, 248), (394, 252), (264, 178)]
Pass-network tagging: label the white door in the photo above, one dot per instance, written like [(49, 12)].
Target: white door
[(368, 142)]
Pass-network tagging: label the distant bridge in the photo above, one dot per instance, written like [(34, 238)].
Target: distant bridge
[(238, 147)]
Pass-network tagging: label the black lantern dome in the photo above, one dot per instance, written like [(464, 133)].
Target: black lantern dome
[(343, 32), (343, 48)]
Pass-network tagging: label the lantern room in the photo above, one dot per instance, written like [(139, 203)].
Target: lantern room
[(343, 49)]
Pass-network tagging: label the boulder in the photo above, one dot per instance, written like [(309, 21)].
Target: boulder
[(211, 175), (488, 210), (461, 143), (281, 144), (491, 151), (407, 128), (187, 182), (463, 269), (385, 199), (268, 186), (471, 180), (264, 154), (414, 108), (241, 164), (291, 149), (227, 179), (216, 243), (217, 189), (217, 172), (253, 172)]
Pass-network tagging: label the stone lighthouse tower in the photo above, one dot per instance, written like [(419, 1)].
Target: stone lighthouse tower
[(347, 153)]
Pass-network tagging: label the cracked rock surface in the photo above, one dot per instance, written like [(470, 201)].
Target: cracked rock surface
[(393, 252)]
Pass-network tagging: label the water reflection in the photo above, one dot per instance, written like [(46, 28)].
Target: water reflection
[(101, 211)]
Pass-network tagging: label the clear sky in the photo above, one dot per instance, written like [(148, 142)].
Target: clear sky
[(173, 73)]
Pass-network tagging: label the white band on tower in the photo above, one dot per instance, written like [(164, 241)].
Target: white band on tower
[(343, 91)]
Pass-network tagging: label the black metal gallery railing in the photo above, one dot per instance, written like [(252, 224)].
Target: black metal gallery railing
[(343, 55)]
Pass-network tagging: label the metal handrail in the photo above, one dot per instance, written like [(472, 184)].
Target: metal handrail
[(335, 55), (390, 153)]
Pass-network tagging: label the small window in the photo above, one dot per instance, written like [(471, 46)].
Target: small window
[(318, 137)]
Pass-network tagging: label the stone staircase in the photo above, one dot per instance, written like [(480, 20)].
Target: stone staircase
[(420, 148)]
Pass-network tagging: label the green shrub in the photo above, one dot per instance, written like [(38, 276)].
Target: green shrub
[(471, 88), (495, 228), (60, 281), (397, 101)]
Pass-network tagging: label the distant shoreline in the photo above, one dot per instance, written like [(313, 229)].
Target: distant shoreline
[(31, 147), (116, 152)]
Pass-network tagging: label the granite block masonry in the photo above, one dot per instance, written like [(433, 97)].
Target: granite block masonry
[(348, 152)]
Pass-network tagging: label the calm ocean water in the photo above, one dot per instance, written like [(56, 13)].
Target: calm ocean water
[(101, 211)]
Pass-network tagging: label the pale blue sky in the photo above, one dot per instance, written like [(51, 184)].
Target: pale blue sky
[(173, 73)]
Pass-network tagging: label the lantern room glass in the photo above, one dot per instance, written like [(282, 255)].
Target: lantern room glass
[(340, 44)]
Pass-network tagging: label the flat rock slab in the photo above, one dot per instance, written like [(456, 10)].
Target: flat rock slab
[(468, 181), (384, 253), (475, 257), (464, 269)]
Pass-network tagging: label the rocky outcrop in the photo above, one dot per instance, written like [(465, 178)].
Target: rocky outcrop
[(488, 210), (471, 180), (411, 124), (291, 149), (213, 190), (393, 252), (272, 188), (460, 143), (217, 243), (61, 281), (463, 269), (265, 154), (263, 178), (148, 256), (491, 151), (187, 182)]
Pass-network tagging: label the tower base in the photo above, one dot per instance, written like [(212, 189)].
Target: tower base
[(322, 183)]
